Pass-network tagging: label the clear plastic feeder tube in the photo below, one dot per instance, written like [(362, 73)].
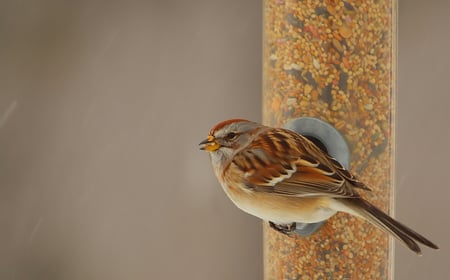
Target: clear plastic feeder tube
[(335, 61)]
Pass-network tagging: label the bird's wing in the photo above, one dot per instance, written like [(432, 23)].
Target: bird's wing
[(294, 167)]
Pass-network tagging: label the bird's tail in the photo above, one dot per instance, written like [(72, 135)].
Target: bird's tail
[(377, 217)]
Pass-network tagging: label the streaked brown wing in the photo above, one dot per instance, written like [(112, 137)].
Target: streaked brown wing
[(296, 168)]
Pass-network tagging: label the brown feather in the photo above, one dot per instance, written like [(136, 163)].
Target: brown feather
[(314, 173)]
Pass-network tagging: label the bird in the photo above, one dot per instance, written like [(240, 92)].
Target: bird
[(283, 178)]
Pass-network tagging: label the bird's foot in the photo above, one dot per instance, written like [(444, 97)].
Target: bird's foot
[(286, 229)]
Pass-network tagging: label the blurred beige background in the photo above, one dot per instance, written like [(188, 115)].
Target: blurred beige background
[(103, 103)]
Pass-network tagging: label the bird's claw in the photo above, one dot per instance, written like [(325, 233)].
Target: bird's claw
[(286, 229)]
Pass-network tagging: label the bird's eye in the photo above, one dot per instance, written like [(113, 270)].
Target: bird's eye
[(231, 136)]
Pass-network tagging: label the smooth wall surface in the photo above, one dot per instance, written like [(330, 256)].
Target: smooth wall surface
[(423, 134), (102, 105)]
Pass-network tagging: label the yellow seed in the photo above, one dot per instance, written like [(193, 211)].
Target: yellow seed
[(345, 31), (308, 89), (337, 45)]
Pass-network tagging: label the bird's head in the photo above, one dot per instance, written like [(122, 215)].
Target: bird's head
[(228, 137)]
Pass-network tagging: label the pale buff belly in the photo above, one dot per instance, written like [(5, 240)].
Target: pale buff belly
[(281, 209)]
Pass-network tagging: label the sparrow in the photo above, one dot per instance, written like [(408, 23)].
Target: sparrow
[(283, 178)]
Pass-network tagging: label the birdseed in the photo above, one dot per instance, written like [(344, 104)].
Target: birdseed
[(333, 60)]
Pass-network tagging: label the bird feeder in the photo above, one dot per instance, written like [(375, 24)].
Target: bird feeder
[(333, 62)]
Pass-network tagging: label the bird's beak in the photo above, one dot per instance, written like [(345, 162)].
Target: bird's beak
[(209, 144)]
